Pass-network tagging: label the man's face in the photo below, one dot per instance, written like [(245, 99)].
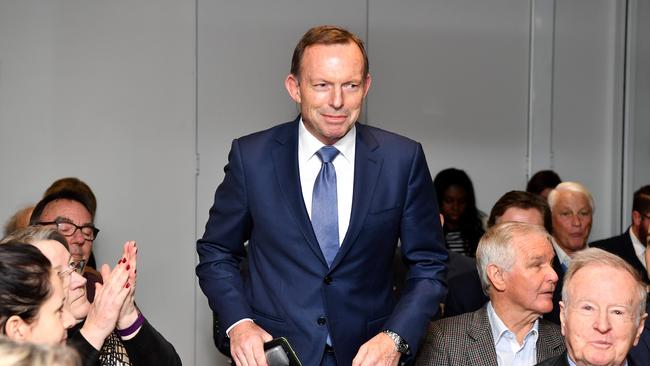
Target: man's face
[(601, 320), (330, 89), (571, 221), (76, 303), (75, 212), (517, 214), (530, 283)]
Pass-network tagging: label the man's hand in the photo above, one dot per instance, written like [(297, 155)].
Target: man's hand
[(247, 344), (380, 350)]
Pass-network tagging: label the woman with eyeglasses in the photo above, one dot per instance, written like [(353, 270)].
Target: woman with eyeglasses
[(111, 330), (31, 297)]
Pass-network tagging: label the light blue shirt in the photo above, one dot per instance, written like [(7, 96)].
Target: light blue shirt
[(509, 351)]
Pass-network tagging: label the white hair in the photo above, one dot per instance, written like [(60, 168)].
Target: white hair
[(570, 187)]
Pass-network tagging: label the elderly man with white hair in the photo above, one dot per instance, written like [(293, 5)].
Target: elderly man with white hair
[(572, 209), (514, 263), (602, 311)]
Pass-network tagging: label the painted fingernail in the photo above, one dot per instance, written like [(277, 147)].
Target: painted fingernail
[(123, 260), (127, 285), (128, 267)]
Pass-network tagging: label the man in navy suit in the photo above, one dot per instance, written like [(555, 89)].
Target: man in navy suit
[(334, 305), (631, 245)]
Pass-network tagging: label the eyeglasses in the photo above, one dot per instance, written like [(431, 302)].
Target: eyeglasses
[(74, 266), (67, 228), (645, 216)]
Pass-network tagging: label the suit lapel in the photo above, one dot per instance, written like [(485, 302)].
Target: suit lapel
[(285, 160), (481, 349), (547, 342), (367, 165)]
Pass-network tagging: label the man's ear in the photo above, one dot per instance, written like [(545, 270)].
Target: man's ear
[(366, 85), (17, 329), (293, 87), (636, 220), (640, 328), (495, 275)]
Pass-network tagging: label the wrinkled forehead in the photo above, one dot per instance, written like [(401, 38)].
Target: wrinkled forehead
[(69, 209), (57, 254)]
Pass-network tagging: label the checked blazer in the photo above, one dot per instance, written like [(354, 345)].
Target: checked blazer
[(467, 340)]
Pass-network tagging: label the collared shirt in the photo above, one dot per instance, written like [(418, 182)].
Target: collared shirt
[(509, 351), (561, 254), (639, 248), (309, 165)]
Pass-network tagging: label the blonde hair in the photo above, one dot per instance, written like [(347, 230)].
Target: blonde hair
[(29, 354)]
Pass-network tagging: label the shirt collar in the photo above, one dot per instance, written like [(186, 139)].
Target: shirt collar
[(561, 254), (498, 328), (639, 248), (308, 144)]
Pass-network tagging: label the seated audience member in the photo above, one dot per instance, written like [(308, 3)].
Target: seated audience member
[(463, 224), (514, 260), (19, 220), (29, 354), (31, 297), (640, 354), (543, 182), (572, 210), (602, 311), (111, 330), (88, 199), (465, 293), (69, 212), (631, 245)]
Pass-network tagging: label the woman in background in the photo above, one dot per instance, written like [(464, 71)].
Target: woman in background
[(30, 354), (463, 222)]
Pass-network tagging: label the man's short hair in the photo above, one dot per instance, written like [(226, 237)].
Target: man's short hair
[(32, 234), (497, 246), (641, 201), (570, 187), (542, 180), (595, 256), (326, 35), (76, 185), (64, 194), (522, 200)]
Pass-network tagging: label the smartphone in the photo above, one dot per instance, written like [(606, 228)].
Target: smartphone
[(279, 353)]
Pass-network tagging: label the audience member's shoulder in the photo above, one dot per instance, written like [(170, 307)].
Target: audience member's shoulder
[(608, 243)]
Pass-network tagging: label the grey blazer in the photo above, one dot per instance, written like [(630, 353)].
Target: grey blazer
[(467, 340)]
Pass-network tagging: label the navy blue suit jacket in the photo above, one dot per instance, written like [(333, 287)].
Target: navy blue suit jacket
[(622, 246), (290, 291)]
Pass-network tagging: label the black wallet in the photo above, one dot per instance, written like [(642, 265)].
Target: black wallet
[(279, 353)]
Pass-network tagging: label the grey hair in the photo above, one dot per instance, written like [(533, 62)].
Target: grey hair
[(497, 246), (28, 354), (570, 187), (594, 256), (35, 233)]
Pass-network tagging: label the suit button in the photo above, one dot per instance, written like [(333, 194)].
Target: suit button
[(327, 280), (322, 320)]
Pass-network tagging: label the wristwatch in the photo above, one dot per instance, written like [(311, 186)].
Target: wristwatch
[(400, 344)]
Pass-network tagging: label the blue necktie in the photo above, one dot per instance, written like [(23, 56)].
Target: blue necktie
[(324, 205)]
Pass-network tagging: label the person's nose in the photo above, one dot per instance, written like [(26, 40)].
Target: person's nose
[(602, 323), (336, 99), (77, 281), (551, 276), (575, 221), (76, 238)]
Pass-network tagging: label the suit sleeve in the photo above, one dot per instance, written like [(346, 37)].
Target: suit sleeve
[(221, 249), (424, 253)]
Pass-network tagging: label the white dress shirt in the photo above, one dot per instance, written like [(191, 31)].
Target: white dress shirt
[(639, 248), (309, 165), (509, 351)]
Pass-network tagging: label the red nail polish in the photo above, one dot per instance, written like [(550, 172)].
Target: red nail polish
[(123, 260), (127, 285), (128, 267)]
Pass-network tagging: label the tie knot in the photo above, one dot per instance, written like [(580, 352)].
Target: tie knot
[(327, 153)]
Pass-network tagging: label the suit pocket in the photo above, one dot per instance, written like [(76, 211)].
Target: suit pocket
[(264, 316)]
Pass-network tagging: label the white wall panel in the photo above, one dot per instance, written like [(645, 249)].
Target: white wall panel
[(454, 76)]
